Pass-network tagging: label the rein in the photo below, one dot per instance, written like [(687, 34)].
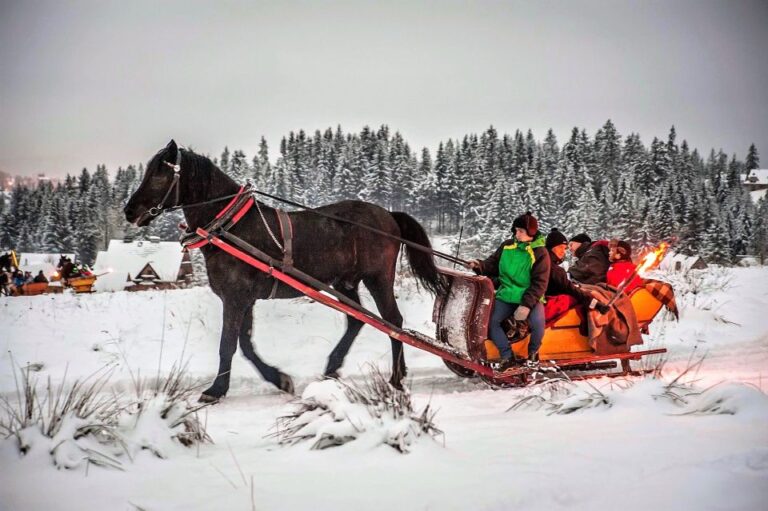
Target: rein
[(175, 184)]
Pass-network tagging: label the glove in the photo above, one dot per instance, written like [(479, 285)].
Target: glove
[(602, 308), (474, 265), (521, 313)]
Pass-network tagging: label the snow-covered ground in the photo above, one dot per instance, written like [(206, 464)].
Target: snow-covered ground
[(641, 452)]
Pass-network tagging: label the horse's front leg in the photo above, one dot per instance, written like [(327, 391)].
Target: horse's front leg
[(233, 318), (273, 375)]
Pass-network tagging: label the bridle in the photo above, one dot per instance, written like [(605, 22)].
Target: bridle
[(156, 210)]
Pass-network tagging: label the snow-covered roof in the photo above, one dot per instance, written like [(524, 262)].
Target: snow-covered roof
[(678, 262), (123, 259), (36, 261), (756, 177), (758, 194)]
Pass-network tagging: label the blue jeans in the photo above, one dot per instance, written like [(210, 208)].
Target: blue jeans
[(503, 310)]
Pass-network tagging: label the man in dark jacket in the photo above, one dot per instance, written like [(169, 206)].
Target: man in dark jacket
[(592, 261), (522, 266)]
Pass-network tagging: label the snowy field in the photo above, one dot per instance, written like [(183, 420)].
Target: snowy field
[(635, 448)]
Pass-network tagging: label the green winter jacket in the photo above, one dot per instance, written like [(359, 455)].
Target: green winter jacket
[(522, 269)]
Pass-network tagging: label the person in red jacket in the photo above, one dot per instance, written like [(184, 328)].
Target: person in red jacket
[(620, 256)]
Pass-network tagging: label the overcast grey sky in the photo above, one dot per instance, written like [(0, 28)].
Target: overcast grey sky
[(111, 82)]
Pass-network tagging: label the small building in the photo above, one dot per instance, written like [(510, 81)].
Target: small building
[(137, 265), (756, 182), (756, 179), (681, 263)]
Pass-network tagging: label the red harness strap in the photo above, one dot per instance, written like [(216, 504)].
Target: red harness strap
[(227, 217), (231, 203)]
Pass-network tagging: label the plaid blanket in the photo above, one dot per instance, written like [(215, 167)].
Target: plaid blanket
[(664, 293)]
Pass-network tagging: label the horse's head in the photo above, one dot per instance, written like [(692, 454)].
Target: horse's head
[(159, 189)]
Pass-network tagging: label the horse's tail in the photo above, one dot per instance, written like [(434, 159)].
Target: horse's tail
[(422, 264)]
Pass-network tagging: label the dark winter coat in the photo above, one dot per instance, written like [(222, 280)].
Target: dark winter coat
[(537, 279), (592, 264), (559, 283)]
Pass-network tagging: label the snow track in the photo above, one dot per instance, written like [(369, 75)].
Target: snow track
[(641, 452)]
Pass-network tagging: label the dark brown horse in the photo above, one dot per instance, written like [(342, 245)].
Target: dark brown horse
[(7, 263), (66, 268), (7, 266), (337, 253)]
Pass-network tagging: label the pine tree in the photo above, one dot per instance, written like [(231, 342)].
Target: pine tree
[(753, 159), (262, 169)]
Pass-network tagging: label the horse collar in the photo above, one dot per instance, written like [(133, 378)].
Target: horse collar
[(224, 220)]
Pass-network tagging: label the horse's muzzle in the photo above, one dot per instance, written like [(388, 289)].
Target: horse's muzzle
[(135, 216)]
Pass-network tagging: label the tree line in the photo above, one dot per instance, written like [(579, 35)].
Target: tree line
[(606, 185)]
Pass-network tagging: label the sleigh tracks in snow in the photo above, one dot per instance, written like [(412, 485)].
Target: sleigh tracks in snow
[(458, 362)]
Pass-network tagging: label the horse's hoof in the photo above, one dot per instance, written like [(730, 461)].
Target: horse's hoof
[(206, 398), (286, 383)]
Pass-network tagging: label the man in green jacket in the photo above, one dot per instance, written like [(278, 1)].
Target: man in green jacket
[(522, 267)]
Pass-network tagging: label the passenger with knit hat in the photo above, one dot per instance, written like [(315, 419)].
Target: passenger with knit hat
[(522, 267), (622, 267), (591, 259), (559, 283)]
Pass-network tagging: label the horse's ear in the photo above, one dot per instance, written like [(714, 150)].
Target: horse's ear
[(172, 148)]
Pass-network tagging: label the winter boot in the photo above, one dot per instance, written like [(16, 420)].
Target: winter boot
[(533, 361)]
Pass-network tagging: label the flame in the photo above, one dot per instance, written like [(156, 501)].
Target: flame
[(652, 258), (55, 274)]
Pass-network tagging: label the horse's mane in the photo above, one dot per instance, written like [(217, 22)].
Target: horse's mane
[(198, 168)]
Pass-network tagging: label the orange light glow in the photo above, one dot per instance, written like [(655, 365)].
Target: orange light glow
[(652, 258)]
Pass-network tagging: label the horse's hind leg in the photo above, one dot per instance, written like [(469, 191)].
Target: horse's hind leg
[(336, 358), (381, 288), (276, 377), (233, 318)]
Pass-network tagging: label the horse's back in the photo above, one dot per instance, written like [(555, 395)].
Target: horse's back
[(331, 248)]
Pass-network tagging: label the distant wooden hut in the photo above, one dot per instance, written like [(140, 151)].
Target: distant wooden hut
[(681, 263), (137, 265)]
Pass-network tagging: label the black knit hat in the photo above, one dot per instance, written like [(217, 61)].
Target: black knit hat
[(555, 238), (581, 238), (527, 222)]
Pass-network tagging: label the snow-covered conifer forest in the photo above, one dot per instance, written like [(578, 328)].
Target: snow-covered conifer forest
[(606, 184)]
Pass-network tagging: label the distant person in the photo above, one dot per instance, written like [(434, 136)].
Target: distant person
[(18, 278), (40, 278)]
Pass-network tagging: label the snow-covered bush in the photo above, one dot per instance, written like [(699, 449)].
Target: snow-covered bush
[(335, 412), (84, 423), (692, 285), (680, 394)]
